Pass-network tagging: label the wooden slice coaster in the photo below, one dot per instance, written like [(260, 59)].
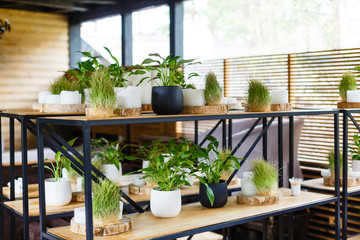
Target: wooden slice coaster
[(351, 182), (99, 113), (112, 229), (216, 109), (128, 112), (139, 190), (343, 105), (281, 107), (236, 105), (65, 108), (260, 200), (146, 108), (39, 107), (78, 197)]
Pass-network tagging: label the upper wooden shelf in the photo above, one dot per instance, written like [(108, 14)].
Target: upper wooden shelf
[(34, 207), (32, 112), (33, 190), (194, 216), (317, 183)]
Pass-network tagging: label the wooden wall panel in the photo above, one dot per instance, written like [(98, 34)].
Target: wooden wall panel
[(33, 54)]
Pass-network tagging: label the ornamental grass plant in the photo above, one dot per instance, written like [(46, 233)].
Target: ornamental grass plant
[(348, 82), (258, 97), (265, 177), (213, 91)]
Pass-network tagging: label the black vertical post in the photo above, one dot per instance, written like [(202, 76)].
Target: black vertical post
[(196, 137), (1, 189), (12, 172), (126, 39), (176, 28), (345, 163), (224, 133), (280, 151), (230, 134), (87, 177), (291, 146), (41, 173), (264, 139), (25, 179), (291, 171), (74, 44), (128, 137)]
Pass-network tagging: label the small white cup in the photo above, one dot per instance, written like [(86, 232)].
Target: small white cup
[(121, 210), (295, 186)]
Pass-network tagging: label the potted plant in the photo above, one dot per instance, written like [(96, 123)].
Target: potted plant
[(167, 97), (57, 189), (355, 155), (213, 190), (110, 156), (348, 82), (265, 177), (165, 200), (105, 203), (331, 159), (213, 91), (102, 97), (258, 97)]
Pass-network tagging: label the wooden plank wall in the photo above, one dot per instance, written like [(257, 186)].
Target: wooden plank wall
[(32, 55)]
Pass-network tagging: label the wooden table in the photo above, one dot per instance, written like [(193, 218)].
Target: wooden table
[(317, 184), (195, 217)]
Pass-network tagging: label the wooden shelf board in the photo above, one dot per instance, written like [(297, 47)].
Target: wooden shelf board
[(357, 237), (318, 184), (184, 191), (194, 216), (153, 115), (32, 112), (34, 207), (33, 192)]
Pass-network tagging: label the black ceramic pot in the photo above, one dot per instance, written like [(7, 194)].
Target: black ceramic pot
[(220, 194), (167, 100)]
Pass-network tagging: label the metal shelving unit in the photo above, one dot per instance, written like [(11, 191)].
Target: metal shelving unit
[(43, 131), (7, 195)]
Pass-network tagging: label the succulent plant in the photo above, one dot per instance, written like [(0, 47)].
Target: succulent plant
[(258, 97), (348, 82), (213, 91)]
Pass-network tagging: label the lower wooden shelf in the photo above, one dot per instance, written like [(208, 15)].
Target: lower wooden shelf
[(34, 207), (194, 216), (317, 183), (33, 190)]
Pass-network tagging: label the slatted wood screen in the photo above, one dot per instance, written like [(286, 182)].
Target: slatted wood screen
[(31, 56), (312, 79)]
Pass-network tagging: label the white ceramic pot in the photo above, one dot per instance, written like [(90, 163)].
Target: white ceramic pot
[(326, 173), (57, 193), (112, 173), (70, 97), (279, 96), (193, 97), (42, 96), (137, 181), (53, 99), (146, 86), (87, 98), (129, 97), (356, 165), (121, 210), (79, 185), (165, 204), (353, 96), (79, 215)]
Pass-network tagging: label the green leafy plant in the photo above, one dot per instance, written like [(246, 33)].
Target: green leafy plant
[(355, 152), (348, 82), (102, 93), (119, 74), (111, 152), (105, 202), (62, 84), (264, 177), (331, 160), (212, 164), (170, 164), (72, 174), (258, 96), (213, 91), (55, 168), (174, 75)]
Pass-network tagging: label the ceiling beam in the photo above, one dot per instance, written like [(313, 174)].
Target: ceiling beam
[(125, 6), (57, 4)]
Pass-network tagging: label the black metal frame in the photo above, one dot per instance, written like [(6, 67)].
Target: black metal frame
[(26, 124), (87, 124)]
